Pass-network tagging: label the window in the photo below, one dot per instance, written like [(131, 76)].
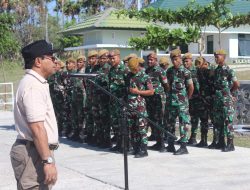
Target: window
[(210, 44), (244, 44), (184, 48)]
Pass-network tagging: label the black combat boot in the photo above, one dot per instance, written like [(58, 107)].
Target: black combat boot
[(182, 149), (162, 145), (230, 146), (73, 135), (142, 152), (118, 146), (170, 147), (221, 144), (192, 139)]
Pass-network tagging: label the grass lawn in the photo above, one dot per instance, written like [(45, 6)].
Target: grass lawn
[(14, 72)]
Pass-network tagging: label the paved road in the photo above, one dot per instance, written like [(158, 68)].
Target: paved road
[(84, 167)]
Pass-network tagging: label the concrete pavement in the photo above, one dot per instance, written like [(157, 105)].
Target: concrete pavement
[(83, 167)]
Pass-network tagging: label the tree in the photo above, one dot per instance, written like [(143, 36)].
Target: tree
[(216, 13)]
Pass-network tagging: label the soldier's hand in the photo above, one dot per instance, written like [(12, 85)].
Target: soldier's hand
[(50, 173), (134, 90)]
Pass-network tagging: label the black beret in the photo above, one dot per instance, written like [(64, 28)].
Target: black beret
[(37, 49)]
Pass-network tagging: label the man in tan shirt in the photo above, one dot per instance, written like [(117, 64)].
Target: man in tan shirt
[(32, 154)]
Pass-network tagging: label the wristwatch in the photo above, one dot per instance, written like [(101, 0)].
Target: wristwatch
[(49, 160)]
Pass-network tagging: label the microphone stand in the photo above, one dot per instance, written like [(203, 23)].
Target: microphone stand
[(125, 110)]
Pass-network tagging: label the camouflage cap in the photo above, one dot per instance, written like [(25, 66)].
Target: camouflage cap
[(187, 56), (71, 60), (81, 58), (114, 52), (164, 61), (220, 52), (133, 63), (103, 52), (175, 53), (92, 53), (152, 55)]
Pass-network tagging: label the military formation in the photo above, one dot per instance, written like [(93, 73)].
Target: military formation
[(190, 93)]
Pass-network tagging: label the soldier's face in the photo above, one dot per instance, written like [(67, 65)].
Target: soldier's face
[(103, 59), (115, 60), (176, 61), (58, 66), (80, 64), (188, 63), (70, 66), (219, 59), (151, 62), (92, 60)]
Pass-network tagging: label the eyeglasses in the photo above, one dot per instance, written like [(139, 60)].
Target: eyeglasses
[(50, 58)]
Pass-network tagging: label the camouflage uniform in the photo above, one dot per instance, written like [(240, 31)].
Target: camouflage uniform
[(57, 96), (90, 89), (156, 103), (137, 125), (205, 77), (223, 103), (196, 108), (100, 107), (78, 102), (178, 98), (117, 77), (68, 123)]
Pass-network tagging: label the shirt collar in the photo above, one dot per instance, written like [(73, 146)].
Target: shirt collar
[(36, 75)]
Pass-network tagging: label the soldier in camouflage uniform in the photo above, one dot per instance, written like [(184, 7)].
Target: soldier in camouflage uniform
[(180, 90), (205, 78), (101, 100), (225, 83), (196, 108), (78, 101), (68, 83), (56, 92), (92, 67), (117, 78), (139, 85), (156, 103)]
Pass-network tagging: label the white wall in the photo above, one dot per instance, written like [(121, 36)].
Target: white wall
[(120, 37), (193, 48), (233, 46)]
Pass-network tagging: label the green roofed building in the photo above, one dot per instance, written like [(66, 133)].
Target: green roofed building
[(105, 30)]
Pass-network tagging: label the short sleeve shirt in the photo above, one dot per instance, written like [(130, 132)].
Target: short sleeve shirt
[(33, 104)]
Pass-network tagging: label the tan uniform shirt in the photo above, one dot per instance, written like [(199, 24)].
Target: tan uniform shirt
[(33, 104)]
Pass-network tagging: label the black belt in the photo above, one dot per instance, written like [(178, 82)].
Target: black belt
[(25, 142)]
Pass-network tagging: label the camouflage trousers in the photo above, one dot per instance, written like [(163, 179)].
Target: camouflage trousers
[(198, 112), (78, 114), (155, 109), (115, 117), (90, 125), (223, 121), (184, 118), (58, 102), (67, 114), (137, 129), (101, 116)]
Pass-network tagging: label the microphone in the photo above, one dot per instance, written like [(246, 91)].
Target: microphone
[(82, 75)]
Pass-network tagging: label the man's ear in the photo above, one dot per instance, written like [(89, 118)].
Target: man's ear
[(38, 62)]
